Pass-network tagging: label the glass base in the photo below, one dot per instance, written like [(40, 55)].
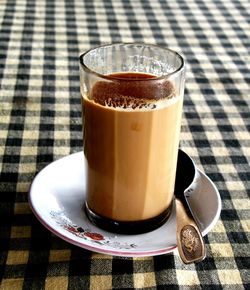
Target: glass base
[(128, 227)]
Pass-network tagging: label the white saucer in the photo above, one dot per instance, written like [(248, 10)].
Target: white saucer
[(56, 197)]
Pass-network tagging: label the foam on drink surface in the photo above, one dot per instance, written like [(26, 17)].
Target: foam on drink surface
[(133, 91)]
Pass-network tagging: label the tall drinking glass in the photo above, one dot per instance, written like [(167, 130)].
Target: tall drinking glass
[(132, 96)]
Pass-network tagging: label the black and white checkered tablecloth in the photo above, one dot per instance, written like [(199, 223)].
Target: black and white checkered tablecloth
[(40, 121)]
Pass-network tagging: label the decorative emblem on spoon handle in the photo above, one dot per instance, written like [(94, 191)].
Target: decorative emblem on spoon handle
[(190, 243)]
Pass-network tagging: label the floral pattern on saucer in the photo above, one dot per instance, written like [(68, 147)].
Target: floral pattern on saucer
[(87, 234)]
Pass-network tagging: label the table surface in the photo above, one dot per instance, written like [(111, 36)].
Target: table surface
[(40, 121)]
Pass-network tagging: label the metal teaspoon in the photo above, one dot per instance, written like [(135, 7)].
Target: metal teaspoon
[(190, 243)]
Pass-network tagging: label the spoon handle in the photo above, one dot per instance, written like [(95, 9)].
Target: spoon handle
[(190, 243)]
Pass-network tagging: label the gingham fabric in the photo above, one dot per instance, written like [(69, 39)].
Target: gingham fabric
[(40, 121)]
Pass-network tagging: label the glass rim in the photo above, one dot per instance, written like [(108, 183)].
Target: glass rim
[(109, 77)]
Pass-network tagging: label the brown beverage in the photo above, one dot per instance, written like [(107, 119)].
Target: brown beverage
[(131, 136)]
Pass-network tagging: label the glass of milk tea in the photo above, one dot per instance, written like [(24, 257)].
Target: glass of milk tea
[(132, 97)]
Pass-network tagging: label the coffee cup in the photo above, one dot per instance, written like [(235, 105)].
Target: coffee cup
[(132, 98)]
